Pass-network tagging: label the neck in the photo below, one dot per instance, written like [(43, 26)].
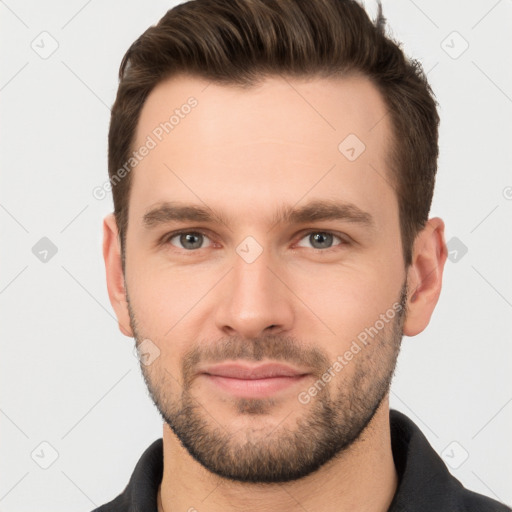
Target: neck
[(362, 478)]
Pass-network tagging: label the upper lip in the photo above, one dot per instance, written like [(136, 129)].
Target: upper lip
[(249, 372)]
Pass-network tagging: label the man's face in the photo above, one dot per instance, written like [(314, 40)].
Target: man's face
[(266, 275)]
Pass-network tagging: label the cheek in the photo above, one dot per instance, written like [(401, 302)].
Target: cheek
[(346, 301), (169, 306), (160, 295)]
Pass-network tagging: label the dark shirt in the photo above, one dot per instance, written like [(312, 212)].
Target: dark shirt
[(425, 484)]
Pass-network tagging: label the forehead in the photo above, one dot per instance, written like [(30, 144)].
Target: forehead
[(271, 143), (324, 107)]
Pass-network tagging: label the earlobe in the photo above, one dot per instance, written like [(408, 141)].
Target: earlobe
[(114, 273), (425, 276)]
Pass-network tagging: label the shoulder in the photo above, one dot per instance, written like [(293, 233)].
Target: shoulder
[(119, 504), (141, 491), (425, 483), (474, 502)]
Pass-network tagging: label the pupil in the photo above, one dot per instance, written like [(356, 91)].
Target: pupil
[(324, 239), (187, 240)]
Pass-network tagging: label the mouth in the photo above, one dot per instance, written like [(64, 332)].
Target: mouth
[(249, 381)]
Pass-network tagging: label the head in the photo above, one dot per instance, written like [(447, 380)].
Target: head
[(272, 167)]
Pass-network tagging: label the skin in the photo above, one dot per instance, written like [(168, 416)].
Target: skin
[(245, 154)]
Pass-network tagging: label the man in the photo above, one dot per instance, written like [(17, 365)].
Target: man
[(272, 166)]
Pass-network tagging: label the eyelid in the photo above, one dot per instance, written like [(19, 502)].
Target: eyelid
[(344, 239), (169, 236)]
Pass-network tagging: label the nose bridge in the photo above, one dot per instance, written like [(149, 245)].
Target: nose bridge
[(255, 299), (252, 281)]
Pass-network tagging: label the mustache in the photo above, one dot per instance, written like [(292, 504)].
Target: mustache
[(275, 347)]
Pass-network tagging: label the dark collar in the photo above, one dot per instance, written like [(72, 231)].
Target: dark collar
[(425, 484)]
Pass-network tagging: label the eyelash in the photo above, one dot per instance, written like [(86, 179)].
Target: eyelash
[(167, 238)]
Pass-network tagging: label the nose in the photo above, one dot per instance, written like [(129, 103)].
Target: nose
[(254, 301)]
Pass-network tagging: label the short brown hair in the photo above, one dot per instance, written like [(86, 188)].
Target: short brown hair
[(240, 42)]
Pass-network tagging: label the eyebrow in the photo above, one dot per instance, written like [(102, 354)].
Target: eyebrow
[(314, 211)]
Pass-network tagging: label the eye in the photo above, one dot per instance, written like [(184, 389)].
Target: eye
[(321, 240), (188, 240)]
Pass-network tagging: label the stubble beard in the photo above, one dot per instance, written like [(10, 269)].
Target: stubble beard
[(321, 430)]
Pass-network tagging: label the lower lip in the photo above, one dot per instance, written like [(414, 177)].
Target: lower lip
[(255, 388)]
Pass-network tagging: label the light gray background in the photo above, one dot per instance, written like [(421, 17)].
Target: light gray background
[(69, 377)]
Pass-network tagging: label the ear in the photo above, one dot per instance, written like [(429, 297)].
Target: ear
[(425, 276), (114, 270)]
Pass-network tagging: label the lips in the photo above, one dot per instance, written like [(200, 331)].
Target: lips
[(253, 381), (246, 372)]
